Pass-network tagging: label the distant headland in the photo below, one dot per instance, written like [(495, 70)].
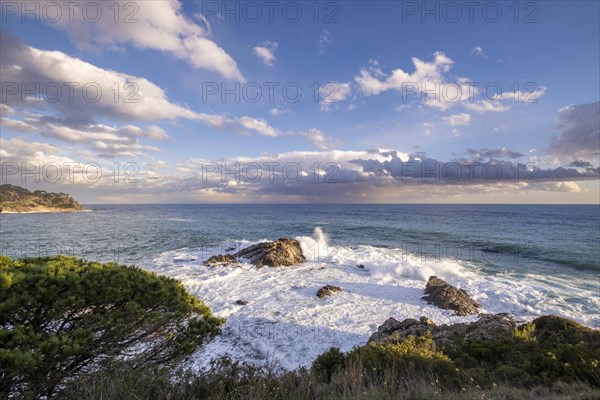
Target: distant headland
[(15, 199)]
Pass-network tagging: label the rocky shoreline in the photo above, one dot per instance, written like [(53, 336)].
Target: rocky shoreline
[(18, 200), (287, 252), (41, 210)]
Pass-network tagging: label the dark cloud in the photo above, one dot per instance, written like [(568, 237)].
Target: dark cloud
[(342, 176), (580, 164), (579, 126), (422, 169), (493, 154)]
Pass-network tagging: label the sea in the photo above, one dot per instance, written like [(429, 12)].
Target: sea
[(526, 260)]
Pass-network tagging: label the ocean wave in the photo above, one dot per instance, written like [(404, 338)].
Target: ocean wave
[(285, 323)]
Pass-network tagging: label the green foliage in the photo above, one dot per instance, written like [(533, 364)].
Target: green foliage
[(328, 363), (526, 363), (547, 350), (553, 331), (525, 333), (15, 198), (230, 380), (413, 357), (61, 317)]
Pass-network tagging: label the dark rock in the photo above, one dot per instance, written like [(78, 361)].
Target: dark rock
[(360, 266), (241, 302), (328, 290), (230, 249), (281, 252), (394, 330), (446, 296), (220, 260), (488, 327)]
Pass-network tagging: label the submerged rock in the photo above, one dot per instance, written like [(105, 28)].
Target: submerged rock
[(220, 260), (328, 290), (241, 302), (446, 296), (282, 252), (488, 327)]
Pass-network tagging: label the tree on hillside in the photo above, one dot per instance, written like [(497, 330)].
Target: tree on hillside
[(61, 317)]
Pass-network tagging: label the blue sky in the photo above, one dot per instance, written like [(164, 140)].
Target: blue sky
[(368, 52)]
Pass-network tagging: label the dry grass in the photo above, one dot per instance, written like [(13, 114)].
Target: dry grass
[(230, 381)]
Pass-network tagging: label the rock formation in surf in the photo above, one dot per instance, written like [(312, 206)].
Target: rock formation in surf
[(328, 290), (220, 260), (282, 252), (446, 296)]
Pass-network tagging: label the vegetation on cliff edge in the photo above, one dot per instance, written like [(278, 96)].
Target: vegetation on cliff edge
[(74, 329), (18, 199), (62, 318)]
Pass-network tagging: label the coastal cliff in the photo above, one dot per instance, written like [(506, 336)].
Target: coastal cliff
[(15, 199)]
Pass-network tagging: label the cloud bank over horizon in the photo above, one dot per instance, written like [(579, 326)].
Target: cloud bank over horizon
[(115, 111)]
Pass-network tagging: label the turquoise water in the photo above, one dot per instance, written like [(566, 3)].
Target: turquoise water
[(557, 245), (497, 236)]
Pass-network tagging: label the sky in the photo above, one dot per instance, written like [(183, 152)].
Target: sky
[(293, 102)]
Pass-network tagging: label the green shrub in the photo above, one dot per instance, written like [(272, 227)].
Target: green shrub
[(413, 357), (547, 350), (328, 363), (525, 333), (61, 317), (227, 380)]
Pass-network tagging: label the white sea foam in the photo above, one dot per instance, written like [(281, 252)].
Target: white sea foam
[(285, 324), (316, 248)]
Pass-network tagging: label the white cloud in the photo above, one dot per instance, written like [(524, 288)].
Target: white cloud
[(350, 176), (74, 119), (333, 93), (318, 138), (259, 125), (429, 85), (427, 127), (266, 52), (487, 106), (566, 187), (5, 110), (19, 147), (279, 111), (106, 140), (530, 96), (373, 81), (325, 41), (457, 119), (299, 176), (156, 25), (478, 51), (17, 125), (141, 100), (157, 133)]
